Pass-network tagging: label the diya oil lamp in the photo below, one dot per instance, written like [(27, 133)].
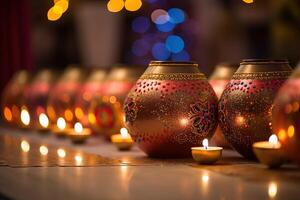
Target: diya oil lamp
[(218, 80), (175, 99), (245, 108), (91, 88), (79, 134), (13, 98), (44, 123), (107, 116), (206, 155), (286, 116), (63, 96), (60, 129), (269, 152), (36, 96), (122, 141)]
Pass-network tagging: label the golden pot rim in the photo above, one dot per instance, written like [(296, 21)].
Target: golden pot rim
[(155, 63)]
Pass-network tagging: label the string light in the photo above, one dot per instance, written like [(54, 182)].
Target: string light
[(133, 5), (56, 11), (115, 5)]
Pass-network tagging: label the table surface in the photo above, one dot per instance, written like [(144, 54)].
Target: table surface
[(103, 172)]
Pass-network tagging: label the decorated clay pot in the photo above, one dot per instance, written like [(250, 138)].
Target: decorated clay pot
[(171, 108), (63, 96), (36, 95), (218, 80), (245, 108), (286, 116), (106, 114), (91, 88), (13, 97)]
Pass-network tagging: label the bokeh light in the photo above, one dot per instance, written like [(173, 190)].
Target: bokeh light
[(159, 16), (181, 56), (7, 113), (166, 27), (140, 47), (176, 15), (52, 14), (248, 1), (115, 5), (174, 43), (160, 52), (140, 24), (133, 5)]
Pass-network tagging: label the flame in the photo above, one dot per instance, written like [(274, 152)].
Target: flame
[(25, 117), (61, 153), (79, 113), (78, 127), (61, 123), (184, 121), (78, 159), (43, 150), (7, 114), (205, 143), (44, 121), (272, 189), (92, 118), (248, 1), (273, 139), (25, 146), (68, 115), (291, 131), (124, 133), (205, 178)]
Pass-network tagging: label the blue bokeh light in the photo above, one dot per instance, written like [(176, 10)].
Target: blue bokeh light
[(174, 43), (140, 47), (160, 52), (181, 56), (140, 24), (176, 15), (166, 27)]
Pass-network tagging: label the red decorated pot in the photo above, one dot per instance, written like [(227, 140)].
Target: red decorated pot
[(13, 97), (171, 108), (91, 88), (106, 114), (286, 116), (218, 80), (36, 95), (245, 108), (63, 96)]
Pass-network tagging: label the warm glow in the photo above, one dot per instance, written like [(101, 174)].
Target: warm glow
[(273, 139), (61, 153), (295, 106), (61, 123), (92, 118), (133, 5), (7, 114), (43, 150), (205, 143), (78, 113), (291, 131), (25, 117), (248, 1), (288, 108), (78, 127), (240, 120), (124, 133), (115, 5), (44, 121), (184, 121), (78, 159), (272, 190), (68, 115), (62, 5), (25, 146), (112, 99), (205, 179), (50, 112), (53, 15), (282, 134)]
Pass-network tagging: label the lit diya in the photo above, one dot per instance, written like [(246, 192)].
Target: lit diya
[(269, 152), (43, 123), (60, 129), (206, 154), (123, 141), (25, 118), (79, 134)]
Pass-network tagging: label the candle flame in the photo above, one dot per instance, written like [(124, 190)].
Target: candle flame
[(43, 150), (272, 189), (205, 143), (61, 123), (25, 146), (7, 114), (61, 153), (44, 121), (25, 117), (78, 159), (124, 133), (273, 139), (78, 127)]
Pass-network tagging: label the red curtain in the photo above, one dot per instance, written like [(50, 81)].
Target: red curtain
[(15, 51)]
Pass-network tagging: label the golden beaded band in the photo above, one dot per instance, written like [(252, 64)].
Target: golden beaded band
[(175, 76), (263, 75)]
